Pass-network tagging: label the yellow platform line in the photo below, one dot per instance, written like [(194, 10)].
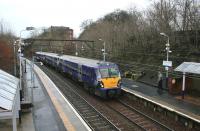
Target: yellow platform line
[(68, 125)]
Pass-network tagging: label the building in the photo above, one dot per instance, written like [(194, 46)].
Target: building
[(54, 33)]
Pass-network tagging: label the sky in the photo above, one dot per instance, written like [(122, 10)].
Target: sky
[(19, 14)]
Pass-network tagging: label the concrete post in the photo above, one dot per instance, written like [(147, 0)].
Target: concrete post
[(183, 86)]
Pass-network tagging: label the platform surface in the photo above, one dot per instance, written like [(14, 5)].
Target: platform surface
[(51, 110), (164, 98)]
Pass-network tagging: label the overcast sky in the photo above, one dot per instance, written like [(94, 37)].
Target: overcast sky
[(71, 13)]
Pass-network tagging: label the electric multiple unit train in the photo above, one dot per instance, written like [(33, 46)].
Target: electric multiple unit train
[(100, 78)]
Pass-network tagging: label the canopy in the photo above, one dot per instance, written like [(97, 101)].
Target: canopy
[(9, 97), (189, 67)]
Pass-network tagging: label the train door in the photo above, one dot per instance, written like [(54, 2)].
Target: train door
[(57, 63), (80, 72)]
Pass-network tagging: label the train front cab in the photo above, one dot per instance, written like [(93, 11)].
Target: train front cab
[(109, 82)]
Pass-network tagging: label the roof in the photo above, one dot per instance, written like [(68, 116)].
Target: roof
[(89, 62), (8, 90), (189, 67), (75, 59)]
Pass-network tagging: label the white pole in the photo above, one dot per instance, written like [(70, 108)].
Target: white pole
[(14, 60), (167, 53), (14, 121), (76, 50), (31, 71), (167, 49), (104, 53), (104, 49), (20, 70), (183, 85)]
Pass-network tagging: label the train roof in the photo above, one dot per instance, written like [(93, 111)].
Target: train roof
[(75, 59), (48, 54)]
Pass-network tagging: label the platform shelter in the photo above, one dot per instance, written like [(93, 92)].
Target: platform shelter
[(9, 98), (186, 68)]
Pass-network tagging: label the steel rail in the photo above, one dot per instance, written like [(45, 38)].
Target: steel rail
[(148, 117), (146, 123)]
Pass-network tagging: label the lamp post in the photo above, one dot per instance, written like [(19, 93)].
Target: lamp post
[(20, 54), (167, 50), (76, 50), (104, 50), (82, 47)]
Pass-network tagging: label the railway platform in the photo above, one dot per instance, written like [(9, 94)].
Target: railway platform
[(51, 111), (183, 107), (55, 111)]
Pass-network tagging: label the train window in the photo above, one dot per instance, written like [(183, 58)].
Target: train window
[(109, 72), (114, 72), (104, 72)]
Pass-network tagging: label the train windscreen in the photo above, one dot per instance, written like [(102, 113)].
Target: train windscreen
[(109, 72)]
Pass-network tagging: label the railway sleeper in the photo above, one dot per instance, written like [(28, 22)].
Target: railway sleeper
[(132, 116), (85, 111), (92, 116), (100, 124), (135, 117), (139, 119), (148, 126), (84, 108), (80, 106), (96, 120), (78, 102), (104, 127), (121, 109), (107, 129), (153, 128), (142, 123), (87, 114), (127, 112)]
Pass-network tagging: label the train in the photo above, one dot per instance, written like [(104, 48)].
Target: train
[(100, 78)]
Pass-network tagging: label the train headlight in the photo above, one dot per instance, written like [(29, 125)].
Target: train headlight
[(100, 83)]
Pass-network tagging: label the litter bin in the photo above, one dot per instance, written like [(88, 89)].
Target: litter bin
[(164, 83), (170, 85)]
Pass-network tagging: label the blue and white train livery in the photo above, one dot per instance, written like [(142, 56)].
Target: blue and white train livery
[(100, 78)]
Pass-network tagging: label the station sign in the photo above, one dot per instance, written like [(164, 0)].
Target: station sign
[(167, 63)]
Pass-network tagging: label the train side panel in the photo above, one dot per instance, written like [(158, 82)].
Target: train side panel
[(84, 73)]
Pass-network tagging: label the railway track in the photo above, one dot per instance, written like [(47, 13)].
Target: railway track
[(94, 118), (143, 121), (120, 115)]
